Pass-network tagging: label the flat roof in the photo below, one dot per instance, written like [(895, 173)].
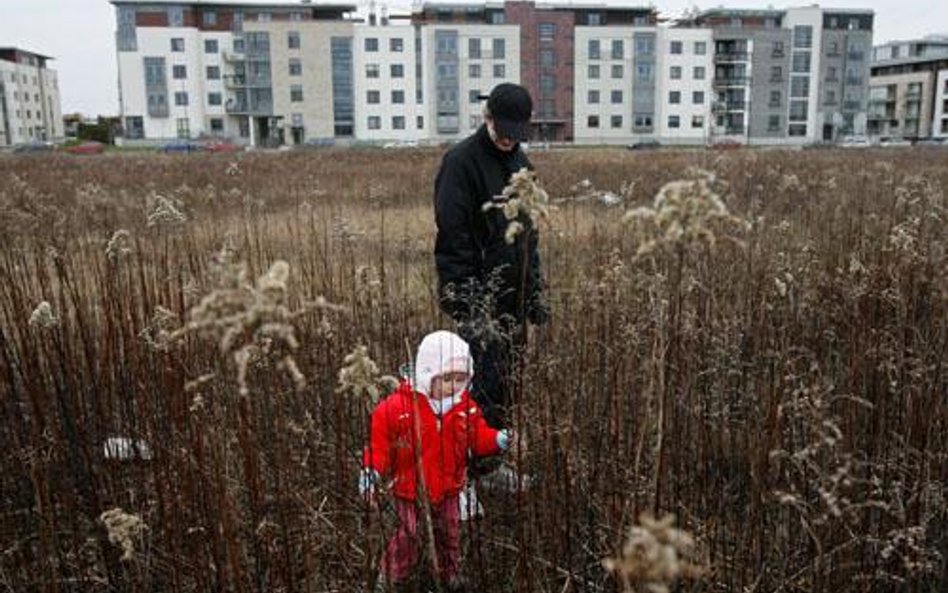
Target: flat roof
[(25, 51), (238, 3), (909, 60), (564, 5)]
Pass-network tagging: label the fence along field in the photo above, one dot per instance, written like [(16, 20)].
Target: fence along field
[(761, 351)]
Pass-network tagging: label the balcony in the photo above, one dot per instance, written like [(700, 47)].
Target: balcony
[(730, 81), (232, 81), (234, 106), (734, 56), (230, 56)]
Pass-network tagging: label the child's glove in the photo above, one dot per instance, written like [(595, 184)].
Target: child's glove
[(367, 481), (504, 439)]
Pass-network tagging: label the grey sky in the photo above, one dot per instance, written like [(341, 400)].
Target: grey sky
[(79, 34)]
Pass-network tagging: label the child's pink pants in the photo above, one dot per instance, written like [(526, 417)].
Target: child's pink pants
[(401, 554)]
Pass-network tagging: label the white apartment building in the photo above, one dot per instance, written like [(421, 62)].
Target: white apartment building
[(460, 63), (686, 95), (940, 119), (387, 83), (30, 109)]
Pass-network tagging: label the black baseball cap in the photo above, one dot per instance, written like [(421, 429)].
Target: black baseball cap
[(511, 107)]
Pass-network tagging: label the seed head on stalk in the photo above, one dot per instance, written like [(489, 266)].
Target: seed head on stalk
[(524, 197), (655, 556)]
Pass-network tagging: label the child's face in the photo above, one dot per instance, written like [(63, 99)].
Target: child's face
[(448, 384)]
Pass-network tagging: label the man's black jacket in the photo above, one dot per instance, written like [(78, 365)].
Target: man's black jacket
[(471, 254)]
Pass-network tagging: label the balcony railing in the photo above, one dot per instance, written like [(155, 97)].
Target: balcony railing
[(232, 106), (727, 81), (235, 80), (734, 56), (230, 56)]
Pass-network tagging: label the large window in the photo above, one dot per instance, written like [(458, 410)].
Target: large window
[(371, 44), (802, 37), (618, 49), (296, 93), (547, 31), (593, 49), (474, 48), (500, 48)]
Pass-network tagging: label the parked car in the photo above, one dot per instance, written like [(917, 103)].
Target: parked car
[(401, 144), (645, 145), (179, 146), (86, 148), (855, 142), (221, 146), (33, 147), (894, 142)]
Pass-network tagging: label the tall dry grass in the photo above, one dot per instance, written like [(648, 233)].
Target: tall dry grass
[(761, 351)]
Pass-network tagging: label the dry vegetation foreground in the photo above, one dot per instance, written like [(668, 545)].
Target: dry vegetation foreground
[(760, 350)]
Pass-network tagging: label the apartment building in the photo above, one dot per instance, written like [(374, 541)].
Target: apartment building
[(30, 109), (288, 73), (791, 76), (908, 94)]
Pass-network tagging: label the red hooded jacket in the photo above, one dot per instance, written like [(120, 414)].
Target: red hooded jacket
[(445, 443)]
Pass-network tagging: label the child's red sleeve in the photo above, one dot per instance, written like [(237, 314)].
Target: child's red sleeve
[(378, 453), (484, 437)]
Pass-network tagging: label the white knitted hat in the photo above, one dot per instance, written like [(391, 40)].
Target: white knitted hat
[(439, 353)]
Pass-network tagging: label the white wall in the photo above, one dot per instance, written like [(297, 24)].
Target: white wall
[(29, 118), (941, 97), (470, 114), (687, 110), (605, 85), (384, 58), (812, 16)]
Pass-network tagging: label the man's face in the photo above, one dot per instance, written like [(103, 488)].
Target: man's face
[(504, 144)]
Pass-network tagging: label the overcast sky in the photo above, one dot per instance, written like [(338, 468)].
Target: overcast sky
[(79, 34)]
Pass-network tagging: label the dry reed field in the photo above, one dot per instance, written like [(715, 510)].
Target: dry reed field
[(753, 342)]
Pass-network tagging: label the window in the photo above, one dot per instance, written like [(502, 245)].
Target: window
[(676, 47), (674, 97), (547, 58), (777, 49), (398, 122), (832, 48), (618, 49), (798, 110), (217, 124), (371, 70), (832, 74), (699, 73), (615, 121), (177, 44), (776, 73), (547, 83), (213, 72), (296, 17), (211, 46), (594, 19), (697, 97), (592, 121), (296, 67), (775, 98), (802, 37), (293, 40), (592, 97), (264, 17), (497, 18), (643, 121), (800, 87), (474, 48), (616, 97), (179, 72), (499, 47), (238, 45), (773, 123), (697, 121), (214, 99), (296, 93), (701, 48), (674, 121), (210, 18), (375, 122), (593, 72), (474, 71), (420, 122), (644, 72), (830, 97), (135, 127), (398, 97), (797, 130), (645, 45), (397, 70), (474, 96), (801, 62), (397, 45), (243, 126), (373, 97), (184, 127), (371, 44), (500, 71), (181, 99), (593, 49), (547, 31), (675, 73), (617, 71)]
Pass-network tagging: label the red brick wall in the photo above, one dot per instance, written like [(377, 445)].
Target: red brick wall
[(151, 19), (529, 18)]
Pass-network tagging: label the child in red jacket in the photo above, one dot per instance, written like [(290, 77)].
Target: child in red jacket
[(439, 414)]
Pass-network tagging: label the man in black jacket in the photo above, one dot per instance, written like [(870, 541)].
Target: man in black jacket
[(490, 287)]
